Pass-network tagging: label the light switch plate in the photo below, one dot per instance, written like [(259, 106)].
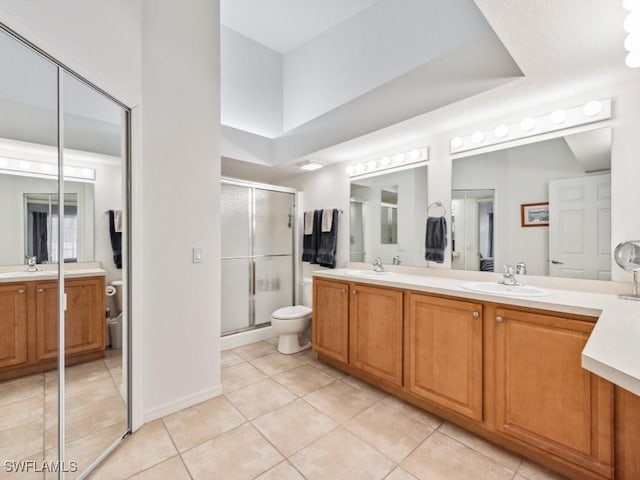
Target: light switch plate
[(198, 255)]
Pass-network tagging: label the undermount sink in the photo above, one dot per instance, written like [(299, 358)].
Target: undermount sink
[(369, 273), (500, 289)]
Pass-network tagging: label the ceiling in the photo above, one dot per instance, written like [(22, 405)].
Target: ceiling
[(283, 25)]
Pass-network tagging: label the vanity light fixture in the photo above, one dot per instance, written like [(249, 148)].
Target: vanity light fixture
[(632, 27), (560, 119), (14, 166), (395, 162), (309, 165)]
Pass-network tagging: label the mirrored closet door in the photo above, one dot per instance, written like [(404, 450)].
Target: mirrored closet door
[(64, 383)]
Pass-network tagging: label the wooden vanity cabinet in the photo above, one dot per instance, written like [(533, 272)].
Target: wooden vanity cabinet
[(13, 327), (330, 324), (443, 359), (543, 397), (375, 332)]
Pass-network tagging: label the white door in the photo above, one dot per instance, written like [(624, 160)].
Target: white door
[(580, 227)]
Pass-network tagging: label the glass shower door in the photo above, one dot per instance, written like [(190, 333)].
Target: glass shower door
[(257, 255)]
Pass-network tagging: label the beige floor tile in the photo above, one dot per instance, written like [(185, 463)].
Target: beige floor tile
[(260, 398), (359, 384), (239, 376), (400, 474), (303, 380), (389, 431), (16, 471), (306, 356), (414, 413), (145, 448), (229, 359), (293, 426), (239, 454), (500, 455), (22, 441), (273, 340), (23, 411), (172, 469), (442, 458), (341, 401), (20, 389), (341, 455), (282, 471), (533, 471), (276, 363), (333, 372), (255, 350), (206, 420)]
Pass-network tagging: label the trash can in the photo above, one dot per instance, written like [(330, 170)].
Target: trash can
[(115, 331)]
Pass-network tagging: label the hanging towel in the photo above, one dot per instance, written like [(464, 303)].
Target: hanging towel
[(329, 243), (327, 219), (40, 237), (308, 222), (310, 242), (116, 240), (117, 220), (436, 239)]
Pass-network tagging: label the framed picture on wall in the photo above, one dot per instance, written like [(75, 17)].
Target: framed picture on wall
[(534, 214)]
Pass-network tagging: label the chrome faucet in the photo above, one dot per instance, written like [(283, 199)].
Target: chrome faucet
[(396, 260), (508, 277), (521, 268), (377, 265), (31, 264)]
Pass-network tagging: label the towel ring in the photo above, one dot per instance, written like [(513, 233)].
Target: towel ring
[(437, 204)]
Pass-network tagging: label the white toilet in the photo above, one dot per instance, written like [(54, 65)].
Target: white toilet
[(291, 323)]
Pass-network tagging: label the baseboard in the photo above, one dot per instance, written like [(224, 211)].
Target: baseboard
[(245, 338), (181, 403)]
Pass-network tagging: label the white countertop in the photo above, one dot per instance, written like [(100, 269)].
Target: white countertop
[(48, 274), (613, 349)]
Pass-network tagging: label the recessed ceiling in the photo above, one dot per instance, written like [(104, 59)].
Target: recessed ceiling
[(283, 25)]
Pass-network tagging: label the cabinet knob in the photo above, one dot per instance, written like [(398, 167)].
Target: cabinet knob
[(499, 319), (344, 290), (476, 314), (355, 291), (40, 290), (21, 290)]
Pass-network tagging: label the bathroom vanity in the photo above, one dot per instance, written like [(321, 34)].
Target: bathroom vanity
[(29, 327), (507, 368)]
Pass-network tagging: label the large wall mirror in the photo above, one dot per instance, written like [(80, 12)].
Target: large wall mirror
[(84, 348), (546, 204), (387, 217)]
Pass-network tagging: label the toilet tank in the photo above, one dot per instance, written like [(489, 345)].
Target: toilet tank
[(307, 292)]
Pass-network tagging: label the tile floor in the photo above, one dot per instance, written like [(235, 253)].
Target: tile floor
[(289, 417), (96, 414)]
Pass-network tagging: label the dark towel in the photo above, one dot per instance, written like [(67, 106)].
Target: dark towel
[(328, 242), (436, 239), (310, 242), (116, 241)]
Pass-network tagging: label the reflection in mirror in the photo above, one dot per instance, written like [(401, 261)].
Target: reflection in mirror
[(572, 174), (388, 217), (472, 230)]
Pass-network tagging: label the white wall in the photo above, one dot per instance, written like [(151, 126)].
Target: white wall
[(251, 85), (369, 49)]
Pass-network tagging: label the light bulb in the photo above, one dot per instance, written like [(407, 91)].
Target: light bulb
[(47, 168), (632, 22), (385, 161), (371, 165), (3, 162), (633, 59), (360, 168), (24, 165), (501, 131), (631, 5), (592, 108), (632, 42), (558, 117), (477, 137), (456, 142), (528, 124), (350, 170), (414, 154), (398, 159)]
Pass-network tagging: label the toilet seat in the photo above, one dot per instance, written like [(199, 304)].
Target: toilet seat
[(290, 313)]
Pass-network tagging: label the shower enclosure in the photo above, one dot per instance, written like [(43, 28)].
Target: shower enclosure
[(257, 253)]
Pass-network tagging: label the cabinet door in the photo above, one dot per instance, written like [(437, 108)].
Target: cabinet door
[(543, 395), (375, 332), (13, 324), (330, 324), (444, 353), (84, 317)]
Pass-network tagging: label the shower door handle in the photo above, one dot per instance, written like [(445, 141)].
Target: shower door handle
[(253, 277)]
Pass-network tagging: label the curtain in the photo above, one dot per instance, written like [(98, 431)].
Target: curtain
[(40, 240)]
